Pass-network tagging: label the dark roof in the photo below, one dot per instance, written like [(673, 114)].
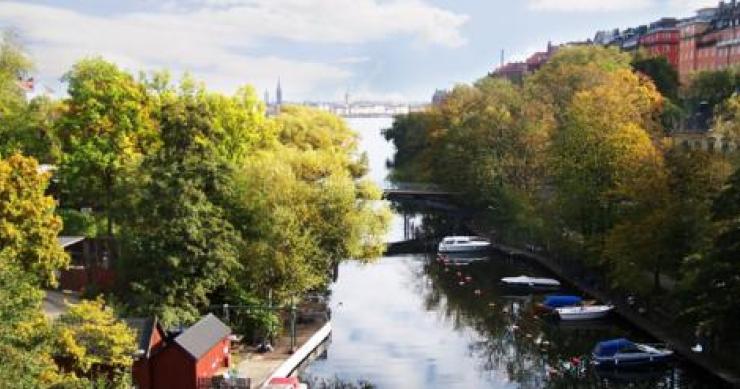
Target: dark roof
[(143, 328), (203, 335)]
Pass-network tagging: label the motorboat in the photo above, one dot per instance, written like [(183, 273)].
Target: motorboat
[(531, 282), (462, 244), (584, 312), (622, 352)]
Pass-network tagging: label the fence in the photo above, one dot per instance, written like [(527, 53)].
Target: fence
[(224, 383)]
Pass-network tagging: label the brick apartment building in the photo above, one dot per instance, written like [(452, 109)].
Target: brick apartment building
[(709, 40), (662, 39)]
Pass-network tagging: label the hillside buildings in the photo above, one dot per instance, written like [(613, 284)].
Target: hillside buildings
[(709, 40)]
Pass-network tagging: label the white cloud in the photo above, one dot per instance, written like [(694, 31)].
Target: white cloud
[(214, 38), (689, 6), (588, 5)]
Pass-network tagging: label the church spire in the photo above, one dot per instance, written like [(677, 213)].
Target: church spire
[(279, 94)]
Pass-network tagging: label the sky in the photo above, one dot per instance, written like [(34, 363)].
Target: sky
[(399, 50)]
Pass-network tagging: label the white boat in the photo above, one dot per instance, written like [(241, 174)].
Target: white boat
[(461, 244), (531, 282), (584, 312)]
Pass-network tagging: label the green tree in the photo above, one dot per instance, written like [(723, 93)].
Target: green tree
[(180, 248), (714, 281), (25, 127), (663, 74), (106, 129), (25, 336), (707, 91), (302, 206)]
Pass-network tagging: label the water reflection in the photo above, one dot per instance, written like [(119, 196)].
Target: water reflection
[(411, 322), (408, 322)]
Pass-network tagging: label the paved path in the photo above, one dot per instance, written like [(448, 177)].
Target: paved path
[(259, 366), (54, 302)]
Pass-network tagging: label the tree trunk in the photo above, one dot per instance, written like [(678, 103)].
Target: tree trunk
[(109, 200)]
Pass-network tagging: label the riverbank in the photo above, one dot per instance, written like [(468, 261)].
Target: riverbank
[(282, 361), (680, 345)]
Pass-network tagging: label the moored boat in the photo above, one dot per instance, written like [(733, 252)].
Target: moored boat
[(556, 301), (462, 244), (624, 353), (583, 312), (531, 282)]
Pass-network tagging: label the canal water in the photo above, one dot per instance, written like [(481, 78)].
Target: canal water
[(412, 322)]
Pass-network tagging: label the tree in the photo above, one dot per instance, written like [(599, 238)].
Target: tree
[(25, 127), (29, 256), (714, 281), (571, 70), (93, 343), (661, 72), (601, 151), (14, 67), (25, 340), (706, 93), (180, 248), (28, 225), (301, 206), (105, 130)]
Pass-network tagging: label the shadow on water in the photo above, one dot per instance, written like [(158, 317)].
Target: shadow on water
[(489, 335), (535, 349), (407, 321)]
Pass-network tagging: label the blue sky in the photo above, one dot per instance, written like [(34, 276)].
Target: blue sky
[(375, 49)]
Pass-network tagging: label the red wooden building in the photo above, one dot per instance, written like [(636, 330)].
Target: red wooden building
[(180, 362)]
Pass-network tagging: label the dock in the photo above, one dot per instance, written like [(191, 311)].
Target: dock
[(281, 362), (679, 345)]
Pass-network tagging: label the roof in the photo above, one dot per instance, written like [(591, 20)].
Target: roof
[(143, 328), (66, 241), (203, 335), (610, 347)]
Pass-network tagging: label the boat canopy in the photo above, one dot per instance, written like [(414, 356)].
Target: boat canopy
[(557, 301), (610, 347)]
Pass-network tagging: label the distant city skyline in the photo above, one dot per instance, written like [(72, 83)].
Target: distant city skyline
[(395, 50)]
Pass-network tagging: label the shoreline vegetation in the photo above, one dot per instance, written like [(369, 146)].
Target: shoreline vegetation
[(577, 161), (200, 198)]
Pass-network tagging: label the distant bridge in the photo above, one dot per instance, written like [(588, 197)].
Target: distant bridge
[(425, 196), (407, 191), (417, 194)]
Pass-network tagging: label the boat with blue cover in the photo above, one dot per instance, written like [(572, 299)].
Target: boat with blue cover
[(622, 352), (553, 301)]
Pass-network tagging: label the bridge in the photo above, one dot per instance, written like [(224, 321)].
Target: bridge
[(408, 191), (423, 196)]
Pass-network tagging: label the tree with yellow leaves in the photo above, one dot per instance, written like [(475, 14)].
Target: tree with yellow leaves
[(600, 151), (28, 225), (92, 342)]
